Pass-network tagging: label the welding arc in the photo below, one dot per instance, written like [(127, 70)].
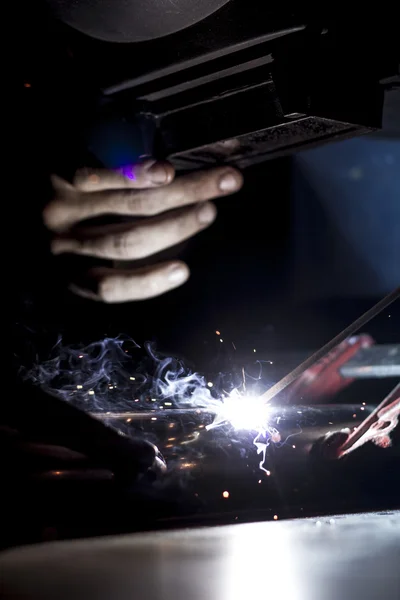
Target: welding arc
[(347, 332)]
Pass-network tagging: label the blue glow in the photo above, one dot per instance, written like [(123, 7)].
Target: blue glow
[(346, 218), (117, 144), (128, 172)]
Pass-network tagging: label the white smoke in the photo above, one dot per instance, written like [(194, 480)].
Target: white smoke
[(114, 376)]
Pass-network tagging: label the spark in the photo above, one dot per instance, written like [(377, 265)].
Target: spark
[(79, 387), (225, 494), (221, 340), (262, 449), (154, 418), (276, 517), (91, 392), (132, 378), (167, 403), (218, 332)]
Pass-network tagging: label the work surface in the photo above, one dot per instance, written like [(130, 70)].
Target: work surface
[(332, 558)]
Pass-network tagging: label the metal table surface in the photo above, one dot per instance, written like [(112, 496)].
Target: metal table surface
[(351, 557)]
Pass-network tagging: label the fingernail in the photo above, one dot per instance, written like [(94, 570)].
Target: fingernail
[(93, 179), (177, 274), (229, 183), (157, 173), (206, 213)]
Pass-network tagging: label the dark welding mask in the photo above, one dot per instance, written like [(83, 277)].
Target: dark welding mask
[(202, 82)]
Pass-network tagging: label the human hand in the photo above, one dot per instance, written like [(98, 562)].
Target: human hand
[(52, 454), (171, 210)]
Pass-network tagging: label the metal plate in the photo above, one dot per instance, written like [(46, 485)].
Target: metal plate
[(377, 361), (348, 557)]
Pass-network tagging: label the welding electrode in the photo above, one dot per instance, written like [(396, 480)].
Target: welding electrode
[(347, 332)]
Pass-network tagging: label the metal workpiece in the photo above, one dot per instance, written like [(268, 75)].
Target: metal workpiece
[(377, 361), (331, 557)]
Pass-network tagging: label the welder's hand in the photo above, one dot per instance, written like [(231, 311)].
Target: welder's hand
[(171, 211)]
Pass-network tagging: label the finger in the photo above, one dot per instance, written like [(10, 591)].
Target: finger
[(47, 450), (144, 239), (67, 211), (143, 175), (110, 286)]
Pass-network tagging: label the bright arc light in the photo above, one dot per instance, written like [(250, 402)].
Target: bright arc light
[(245, 412)]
